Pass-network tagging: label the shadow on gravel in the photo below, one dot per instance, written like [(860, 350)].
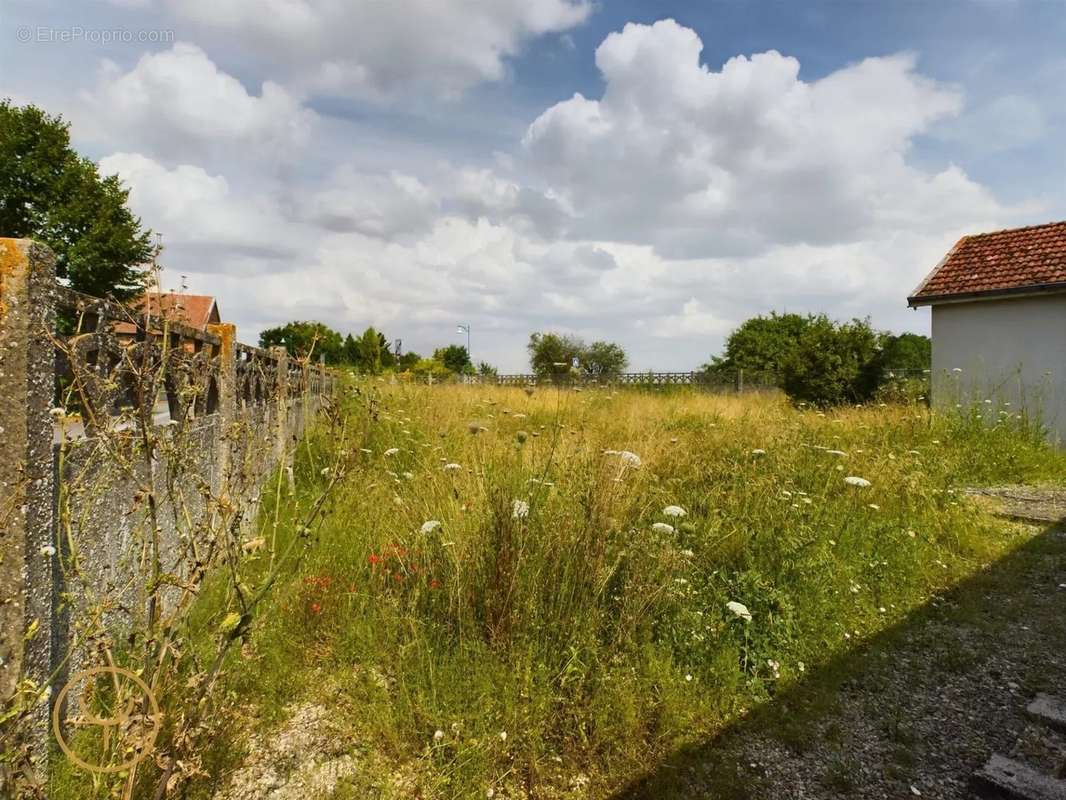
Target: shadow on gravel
[(923, 703)]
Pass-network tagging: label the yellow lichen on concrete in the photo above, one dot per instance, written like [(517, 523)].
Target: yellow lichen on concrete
[(11, 258)]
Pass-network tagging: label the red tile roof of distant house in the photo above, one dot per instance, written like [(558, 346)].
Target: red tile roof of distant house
[(1019, 261), (194, 310)]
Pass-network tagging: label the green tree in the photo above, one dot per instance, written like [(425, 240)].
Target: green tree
[(454, 357), (603, 360), (306, 338), (350, 351), (834, 363), (50, 193), (407, 361), (369, 356), (907, 351), (553, 353), (486, 370), (388, 359), (762, 344)]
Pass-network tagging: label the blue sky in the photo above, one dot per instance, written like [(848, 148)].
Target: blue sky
[(421, 162)]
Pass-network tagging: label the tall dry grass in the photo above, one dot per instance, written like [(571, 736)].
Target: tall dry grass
[(499, 602)]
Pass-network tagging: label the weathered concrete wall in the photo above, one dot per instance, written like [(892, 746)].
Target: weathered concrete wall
[(27, 487), (81, 489), (1006, 351)]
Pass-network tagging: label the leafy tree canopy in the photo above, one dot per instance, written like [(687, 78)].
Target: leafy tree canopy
[(455, 357), (306, 338), (554, 354), (763, 344), (368, 352), (909, 351), (603, 360), (50, 193), (407, 361), (834, 363)]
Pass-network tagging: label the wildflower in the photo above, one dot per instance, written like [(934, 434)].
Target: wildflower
[(316, 608), (520, 509), (674, 511), (430, 525), (874, 507), (438, 735), (775, 666), (48, 550), (836, 452), (374, 559), (629, 459), (758, 451), (688, 677), (57, 412), (452, 467), (662, 527), (956, 369), (739, 609), (687, 553), (392, 451), (853, 480), (434, 584), (503, 736), (324, 471), (366, 450)]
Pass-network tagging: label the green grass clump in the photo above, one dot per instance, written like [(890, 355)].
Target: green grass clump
[(557, 627)]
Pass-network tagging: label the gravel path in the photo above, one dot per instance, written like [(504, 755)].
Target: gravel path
[(923, 706)]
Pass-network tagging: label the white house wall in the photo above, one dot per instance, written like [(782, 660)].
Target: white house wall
[(1007, 351)]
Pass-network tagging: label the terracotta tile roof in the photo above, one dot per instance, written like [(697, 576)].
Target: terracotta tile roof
[(194, 310), (1007, 262)]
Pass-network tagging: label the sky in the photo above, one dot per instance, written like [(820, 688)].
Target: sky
[(651, 173)]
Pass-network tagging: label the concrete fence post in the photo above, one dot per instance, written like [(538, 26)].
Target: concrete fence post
[(27, 470), (227, 397), (281, 403)]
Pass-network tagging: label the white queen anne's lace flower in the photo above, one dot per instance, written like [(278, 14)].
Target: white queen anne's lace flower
[(392, 451), (674, 511), (855, 480), (520, 509), (662, 527), (629, 459), (739, 609), (452, 467), (430, 525)]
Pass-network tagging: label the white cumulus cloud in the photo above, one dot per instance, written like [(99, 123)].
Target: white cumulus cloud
[(700, 162), (178, 103), (381, 48)]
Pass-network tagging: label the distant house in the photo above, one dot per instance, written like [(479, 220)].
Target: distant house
[(999, 323), (194, 310)]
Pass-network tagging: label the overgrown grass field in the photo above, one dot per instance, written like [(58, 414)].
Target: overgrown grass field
[(539, 595)]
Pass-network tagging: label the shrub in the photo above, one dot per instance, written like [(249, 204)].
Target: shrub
[(834, 363)]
